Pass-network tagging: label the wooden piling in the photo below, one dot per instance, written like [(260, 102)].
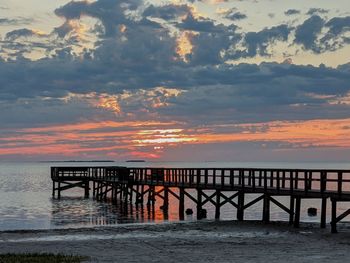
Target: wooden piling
[(297, 211), (240, 210), (217, 204), (199, 203), (291, 210), (166, 198), (334, 216), (182, 203), (323, 212), (266, 208), (86, 189)]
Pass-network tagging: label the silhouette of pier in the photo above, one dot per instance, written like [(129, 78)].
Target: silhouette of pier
[(218, 186)]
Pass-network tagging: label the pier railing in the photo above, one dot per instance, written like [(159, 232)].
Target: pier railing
[(295, 183), (308, 182)]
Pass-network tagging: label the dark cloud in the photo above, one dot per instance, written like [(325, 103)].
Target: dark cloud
[(132, 62), (314, 11), (16, 21), (291, 12), (234, 15), (249, 93), (200, 24), (257, 43), (338, 25), (167, 12), (307, 33), (110, 12), (24, 32)]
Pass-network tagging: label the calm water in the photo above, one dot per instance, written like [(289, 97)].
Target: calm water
[(26, 203)]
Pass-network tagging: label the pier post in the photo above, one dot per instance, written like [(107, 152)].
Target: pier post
[(297, 211), (199, 204), (126, 193), (87, 189), (266, 208), (113, 193), (240, 210), (334, 216), (131, 188), (291, 210), (142, 193), (323, 212), (166, 198), (137, 197), (151, 196), (181, 203), (59, 190), (53, 188), (105, 193), (217, 204)]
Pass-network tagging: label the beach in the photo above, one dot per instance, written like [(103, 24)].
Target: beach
[(202, 241)]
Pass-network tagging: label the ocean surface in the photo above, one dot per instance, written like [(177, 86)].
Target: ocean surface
[(26, 202)]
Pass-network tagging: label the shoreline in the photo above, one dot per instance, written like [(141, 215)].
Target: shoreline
[(198, 241)]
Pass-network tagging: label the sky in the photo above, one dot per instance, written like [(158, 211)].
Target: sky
[(180, 80)]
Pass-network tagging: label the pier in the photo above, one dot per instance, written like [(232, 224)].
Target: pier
[(218, 186)]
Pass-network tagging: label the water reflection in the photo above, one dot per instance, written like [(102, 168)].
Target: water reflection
[(79, 212)]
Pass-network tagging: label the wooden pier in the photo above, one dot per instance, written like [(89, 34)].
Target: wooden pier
[(218, 186)]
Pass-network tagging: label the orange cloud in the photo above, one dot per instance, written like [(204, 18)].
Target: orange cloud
[(184, 45), (151, 139)]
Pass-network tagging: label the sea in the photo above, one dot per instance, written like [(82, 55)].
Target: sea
[(26, 201)]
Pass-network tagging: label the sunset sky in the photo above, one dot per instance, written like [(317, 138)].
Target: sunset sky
[(195, 80)]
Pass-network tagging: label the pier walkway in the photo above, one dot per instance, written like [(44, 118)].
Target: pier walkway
[(217, 186)]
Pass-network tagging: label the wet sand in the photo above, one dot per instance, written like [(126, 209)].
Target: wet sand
[(206, 241)]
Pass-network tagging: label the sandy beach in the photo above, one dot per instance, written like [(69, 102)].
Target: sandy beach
[(206, 241)]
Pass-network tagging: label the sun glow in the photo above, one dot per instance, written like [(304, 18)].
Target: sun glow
[(163, 137), (184, 45), (109, 103), (154, 139)]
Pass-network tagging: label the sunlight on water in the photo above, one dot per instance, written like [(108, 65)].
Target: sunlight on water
[(26, 203)]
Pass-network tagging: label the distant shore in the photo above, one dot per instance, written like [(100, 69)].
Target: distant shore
[(205, 241), (79, 161)]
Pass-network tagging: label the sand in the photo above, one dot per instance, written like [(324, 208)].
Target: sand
[(205, 241)]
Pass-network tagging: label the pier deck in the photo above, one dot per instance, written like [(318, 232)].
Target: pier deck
[(226, 185)]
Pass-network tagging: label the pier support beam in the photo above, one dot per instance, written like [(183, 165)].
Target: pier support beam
[(87, 189), (297, 211), (217, 204), (199, 204), (53, 188), (240, 210), (291, 210), (323, 212), (266, 208), (59, 190), (181, 203), (166, 198), (334, 216)]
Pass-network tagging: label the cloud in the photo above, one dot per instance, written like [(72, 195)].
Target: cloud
[(24, 32), (16, 21), (109, 12), (307, 33), (167, 12), (233, 14), (200, 24), (257, 43), (314, 11), (291, 12), (169, 64), (338, 25), (138, 56)]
